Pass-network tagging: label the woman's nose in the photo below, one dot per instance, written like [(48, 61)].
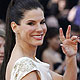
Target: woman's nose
[(39, 28)]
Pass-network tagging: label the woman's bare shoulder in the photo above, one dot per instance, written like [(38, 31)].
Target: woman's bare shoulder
[(31, 76)]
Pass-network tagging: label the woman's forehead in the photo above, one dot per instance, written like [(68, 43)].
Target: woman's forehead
[(34, 14)]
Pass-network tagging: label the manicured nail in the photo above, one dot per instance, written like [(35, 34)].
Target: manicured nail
[(61, 44)]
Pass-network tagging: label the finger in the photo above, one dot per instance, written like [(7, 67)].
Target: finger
[(63, 49), (76, 39), (62, 37), (68, 32)]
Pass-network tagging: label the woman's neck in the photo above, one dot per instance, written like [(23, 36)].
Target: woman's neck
[(25, 50)]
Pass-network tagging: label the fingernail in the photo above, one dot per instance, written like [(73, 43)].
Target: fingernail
[(61, 44), (69, 25), (60, 28)]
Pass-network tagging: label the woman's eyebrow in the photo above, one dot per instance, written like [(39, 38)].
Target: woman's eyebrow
[(31, 21), (35, 20)]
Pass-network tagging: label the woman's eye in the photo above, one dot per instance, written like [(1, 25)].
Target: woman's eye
[(42, 22), (30, 23)]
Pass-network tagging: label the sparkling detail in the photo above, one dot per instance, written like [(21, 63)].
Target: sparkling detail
[(25, 65)]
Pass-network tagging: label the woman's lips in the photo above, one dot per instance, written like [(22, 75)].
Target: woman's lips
[(37, 37)]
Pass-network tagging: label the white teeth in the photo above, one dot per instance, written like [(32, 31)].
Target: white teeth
[(37, 36), (42, 33)]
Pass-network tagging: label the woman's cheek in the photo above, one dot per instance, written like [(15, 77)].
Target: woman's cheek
[(32, 29), (29, 29), (45, 29)]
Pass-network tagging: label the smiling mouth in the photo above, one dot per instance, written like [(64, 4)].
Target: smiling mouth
[(37, 37)]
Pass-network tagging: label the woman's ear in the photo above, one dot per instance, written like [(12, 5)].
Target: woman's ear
[(14, 27)]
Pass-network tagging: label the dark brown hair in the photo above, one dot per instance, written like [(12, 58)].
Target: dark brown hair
[(15, 13)]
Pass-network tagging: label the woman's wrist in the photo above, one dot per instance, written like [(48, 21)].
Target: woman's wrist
[(73, 55), (70, 59)]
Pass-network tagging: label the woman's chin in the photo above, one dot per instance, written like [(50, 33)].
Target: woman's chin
[(38, 43)]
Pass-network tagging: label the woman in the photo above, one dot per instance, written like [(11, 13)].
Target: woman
[(25, 31)]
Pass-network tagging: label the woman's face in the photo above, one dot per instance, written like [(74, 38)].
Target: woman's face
[(32, 27)]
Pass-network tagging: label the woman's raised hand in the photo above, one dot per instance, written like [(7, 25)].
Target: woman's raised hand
[(69, 44)]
